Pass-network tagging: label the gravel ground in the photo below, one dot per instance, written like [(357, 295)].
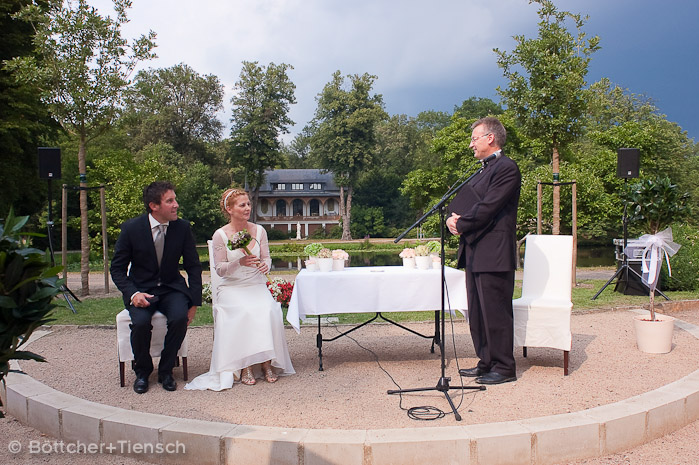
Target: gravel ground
[(351, 392)]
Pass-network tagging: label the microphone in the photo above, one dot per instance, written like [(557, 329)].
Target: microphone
[(489, 157)]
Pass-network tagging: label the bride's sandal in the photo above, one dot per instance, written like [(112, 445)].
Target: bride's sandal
[(247, 377), (270, 377)]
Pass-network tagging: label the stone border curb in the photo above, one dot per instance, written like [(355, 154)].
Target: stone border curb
[(552, 439)]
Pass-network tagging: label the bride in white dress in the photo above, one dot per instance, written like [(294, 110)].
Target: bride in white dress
[(249, 340)]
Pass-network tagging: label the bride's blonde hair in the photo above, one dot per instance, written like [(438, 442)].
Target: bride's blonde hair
[(229, 196)]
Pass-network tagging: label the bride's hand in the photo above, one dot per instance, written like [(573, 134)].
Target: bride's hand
[(250, 260), (263, 267)]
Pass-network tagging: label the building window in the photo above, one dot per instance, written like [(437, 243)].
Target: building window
[(281, 208), (314, 207), (315, 186), (279, 187), (297, 187), (264, 206), (297, 206), (330, 205)]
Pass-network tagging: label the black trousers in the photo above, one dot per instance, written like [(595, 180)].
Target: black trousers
[(174, 305), (491, 319)]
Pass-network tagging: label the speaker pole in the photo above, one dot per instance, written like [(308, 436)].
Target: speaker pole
[(45, 171)]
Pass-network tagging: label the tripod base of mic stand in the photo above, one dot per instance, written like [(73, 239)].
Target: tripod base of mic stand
[(65, 290), (443, 387), (625, 268)]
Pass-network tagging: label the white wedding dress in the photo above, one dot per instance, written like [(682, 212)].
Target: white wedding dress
[(248, 326)]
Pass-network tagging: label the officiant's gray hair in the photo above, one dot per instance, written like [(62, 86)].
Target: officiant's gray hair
[(228, 196), (493, 126)]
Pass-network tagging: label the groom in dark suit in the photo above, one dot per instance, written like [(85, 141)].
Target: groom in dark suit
[(145, 268), (484, 215)]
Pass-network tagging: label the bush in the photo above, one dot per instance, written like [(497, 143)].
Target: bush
[(685, 263), (277, 235)]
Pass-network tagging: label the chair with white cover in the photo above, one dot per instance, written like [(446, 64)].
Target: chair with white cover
[(542, 314), (124, 352), (215, 278)]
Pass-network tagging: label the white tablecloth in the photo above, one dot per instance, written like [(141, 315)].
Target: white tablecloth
[(374, 289)]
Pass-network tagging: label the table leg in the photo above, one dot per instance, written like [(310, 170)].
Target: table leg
[(319, 345)]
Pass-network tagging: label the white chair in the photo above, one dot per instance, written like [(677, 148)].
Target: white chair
[(542, 314), (124, 352), (215, 279)]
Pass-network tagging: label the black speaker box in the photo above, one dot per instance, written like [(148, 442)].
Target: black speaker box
[(49, 163), (628, 163)]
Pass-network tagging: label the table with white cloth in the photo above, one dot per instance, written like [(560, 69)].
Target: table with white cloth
[(375, 289)]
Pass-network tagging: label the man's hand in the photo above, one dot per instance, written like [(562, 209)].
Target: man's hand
[(451, 223), (141, 299), (190, 314)]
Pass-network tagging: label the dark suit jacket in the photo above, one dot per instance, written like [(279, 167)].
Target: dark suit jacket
[(135, 247), (488, 209)]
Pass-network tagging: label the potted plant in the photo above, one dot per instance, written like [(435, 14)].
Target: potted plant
[(658, 203), (435, 249), (312, 249), (408, 256), (339, 257), (422, 257), (28, 285), (325, 260)]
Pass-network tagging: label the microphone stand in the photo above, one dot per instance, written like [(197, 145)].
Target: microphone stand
[(443, 382)]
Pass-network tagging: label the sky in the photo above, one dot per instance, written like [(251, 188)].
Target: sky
[(427, 55)]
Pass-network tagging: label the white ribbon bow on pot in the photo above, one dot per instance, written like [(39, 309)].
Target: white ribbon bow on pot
[(655, 246)]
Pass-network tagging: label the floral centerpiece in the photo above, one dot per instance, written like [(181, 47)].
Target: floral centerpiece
[(434, 246), (325, 253), (422, 257), (241, 240), (339, 254), (407, 253), (325, 259), (312, 249), (339, 257), (281, 290), (408, 256)]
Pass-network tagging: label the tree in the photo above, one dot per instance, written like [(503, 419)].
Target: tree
[(548, 96), (477, 107), (177, 106), (344, 134), (24, 120), (82, 76), (260, 116)]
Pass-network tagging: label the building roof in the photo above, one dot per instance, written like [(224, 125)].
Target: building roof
[(296, 176)]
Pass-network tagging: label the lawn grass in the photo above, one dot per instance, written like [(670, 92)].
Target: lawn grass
[(102, 311)]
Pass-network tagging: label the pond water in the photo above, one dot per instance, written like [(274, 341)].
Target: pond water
[(587, 256)]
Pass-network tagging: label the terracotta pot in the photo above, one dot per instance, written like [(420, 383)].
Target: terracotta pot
[(654, 337)]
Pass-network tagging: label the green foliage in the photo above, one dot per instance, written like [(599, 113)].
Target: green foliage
[(657, 203), (125, 176), (344, 133), (24, 120), (176, 106), (685, 263), (548, 95), (477, 108), (28, 284), (367, 221), (260, 116)]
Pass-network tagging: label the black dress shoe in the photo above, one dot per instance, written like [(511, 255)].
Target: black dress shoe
[(472, 372), (168, 382), (140, 386), (495, 378)]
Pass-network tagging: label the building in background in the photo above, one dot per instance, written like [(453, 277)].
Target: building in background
[(293, 199)]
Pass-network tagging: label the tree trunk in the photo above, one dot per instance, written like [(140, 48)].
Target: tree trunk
[(84, 226), (556, 194), (345, 212), (253, 209)]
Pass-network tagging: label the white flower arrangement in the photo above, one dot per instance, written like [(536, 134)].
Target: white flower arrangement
[(339, 254), (407, 253), (422, 251), (325, 253)]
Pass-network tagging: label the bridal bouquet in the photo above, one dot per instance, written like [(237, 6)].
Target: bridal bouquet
[(281, 290), (241, 240)]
